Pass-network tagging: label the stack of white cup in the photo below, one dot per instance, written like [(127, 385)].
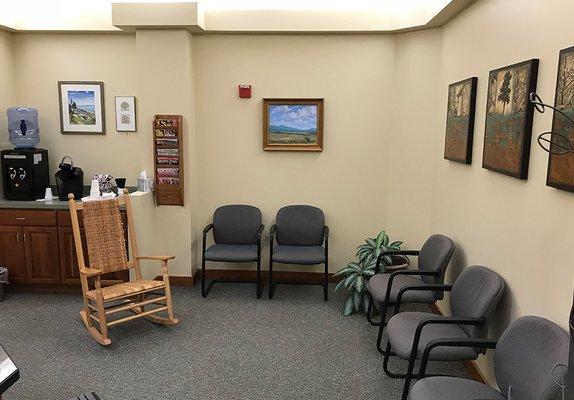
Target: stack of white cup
[(95, 189)]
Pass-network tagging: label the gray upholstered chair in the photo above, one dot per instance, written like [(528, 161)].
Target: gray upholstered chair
[(434, 257), (474, 296), (237, 233), (300, 232), (524, 359)]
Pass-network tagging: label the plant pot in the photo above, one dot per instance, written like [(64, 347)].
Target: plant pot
[(398, 262)]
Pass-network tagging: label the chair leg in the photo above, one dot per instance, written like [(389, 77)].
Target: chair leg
[(271, 287), (382, 325), (326, 281), (101, 336), (203, 292), (370, 314), (87, 312), (259, 277), (168, 301), (102, 317), (409, 376)]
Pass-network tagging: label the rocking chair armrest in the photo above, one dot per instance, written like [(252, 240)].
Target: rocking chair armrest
[(156, 258), (89, 272)]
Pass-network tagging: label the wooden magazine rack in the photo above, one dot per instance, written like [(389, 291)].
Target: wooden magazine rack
[(168, 159)]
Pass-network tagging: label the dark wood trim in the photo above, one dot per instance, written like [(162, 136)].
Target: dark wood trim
[(248, 275), (179, 280), (470, 366)]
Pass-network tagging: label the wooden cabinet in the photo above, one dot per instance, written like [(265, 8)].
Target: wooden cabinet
[(42, 254), (12, 254), (68, 259), (37, 247)]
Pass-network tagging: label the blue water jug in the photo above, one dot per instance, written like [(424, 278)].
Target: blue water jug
[(23, 131)]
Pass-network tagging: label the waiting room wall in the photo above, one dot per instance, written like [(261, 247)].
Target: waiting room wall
[(6, 78), (521, 229), (348, 180)]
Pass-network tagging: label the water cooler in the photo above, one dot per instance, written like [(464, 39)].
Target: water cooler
[(25, 169)]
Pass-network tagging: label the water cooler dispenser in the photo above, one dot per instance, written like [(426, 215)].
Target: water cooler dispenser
[(25, 169)]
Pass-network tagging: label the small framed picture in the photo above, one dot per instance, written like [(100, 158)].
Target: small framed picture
[(293, 124), (125, 113), (460, 120), (82, 107)]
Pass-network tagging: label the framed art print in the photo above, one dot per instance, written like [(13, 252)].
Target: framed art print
[(460, 121), (509, 114), (293, 124), (125, 113), (82, 107), (560, 172)]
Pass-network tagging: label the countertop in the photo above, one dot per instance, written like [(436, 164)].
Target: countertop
[(41, 205)]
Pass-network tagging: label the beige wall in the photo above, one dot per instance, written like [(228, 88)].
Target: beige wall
[(6, 80), (347, 180), (521, 229), (128, 65), (44, 59)]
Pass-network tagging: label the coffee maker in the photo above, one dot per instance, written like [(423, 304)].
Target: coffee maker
[(69, 179), (25, 169)]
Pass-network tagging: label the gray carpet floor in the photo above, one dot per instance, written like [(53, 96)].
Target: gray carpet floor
[(227, 346)]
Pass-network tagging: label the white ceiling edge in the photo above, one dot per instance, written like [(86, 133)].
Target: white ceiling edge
[(220, 16)]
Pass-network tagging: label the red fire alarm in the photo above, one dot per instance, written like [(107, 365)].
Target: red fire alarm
[(245, 91)]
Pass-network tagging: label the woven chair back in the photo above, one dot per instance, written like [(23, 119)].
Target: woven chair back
[(105, 236)]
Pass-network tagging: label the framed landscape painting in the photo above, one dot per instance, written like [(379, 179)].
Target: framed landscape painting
[(561, 166), (81, 107), (460, 120), (508, 128), (293, 124)]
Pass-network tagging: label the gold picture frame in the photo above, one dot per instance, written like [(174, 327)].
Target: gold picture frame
[(293, 124)]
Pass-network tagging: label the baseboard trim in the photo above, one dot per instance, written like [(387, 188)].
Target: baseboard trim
[(470, 366), (249, 275)]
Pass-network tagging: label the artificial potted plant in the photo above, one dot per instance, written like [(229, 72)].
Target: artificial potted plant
[(356, 274)]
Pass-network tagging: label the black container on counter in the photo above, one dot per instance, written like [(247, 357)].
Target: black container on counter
[(69, 179)]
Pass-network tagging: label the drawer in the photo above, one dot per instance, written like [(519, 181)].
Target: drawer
[(64, 218), (27, 217)]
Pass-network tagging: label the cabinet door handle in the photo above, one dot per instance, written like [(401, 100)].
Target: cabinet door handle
[(21, 218), (18, 237), (24, 237)]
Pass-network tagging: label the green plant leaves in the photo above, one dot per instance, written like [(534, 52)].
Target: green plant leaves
[(348, 307), (355, 275), (359, 284), (357, 301), (366, 299)]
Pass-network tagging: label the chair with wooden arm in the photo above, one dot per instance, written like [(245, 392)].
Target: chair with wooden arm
[(107, 252)]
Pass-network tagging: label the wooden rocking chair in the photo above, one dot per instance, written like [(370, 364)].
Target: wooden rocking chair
[(107, 253)]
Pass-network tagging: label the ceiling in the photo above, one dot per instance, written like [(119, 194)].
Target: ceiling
[(235, 15)]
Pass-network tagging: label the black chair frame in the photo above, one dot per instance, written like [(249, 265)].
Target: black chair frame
[(206, 288), (325, 282), (476, 343), (435, 343), (377, 270), (385, 306)]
